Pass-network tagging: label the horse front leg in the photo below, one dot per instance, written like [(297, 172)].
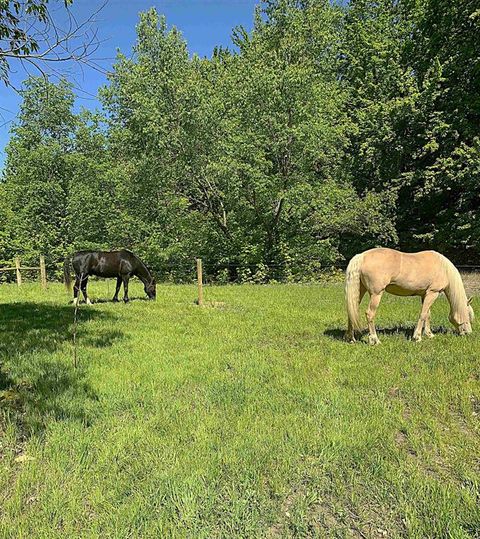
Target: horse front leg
[(427, 302), (117, 289), (427, 330), (125, 279), (371, 312)]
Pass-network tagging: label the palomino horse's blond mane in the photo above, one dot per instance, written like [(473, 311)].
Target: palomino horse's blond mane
[(455, 290)]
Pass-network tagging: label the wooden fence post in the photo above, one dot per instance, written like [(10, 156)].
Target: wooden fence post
[(200, 281), (17, 266), (43, 272)]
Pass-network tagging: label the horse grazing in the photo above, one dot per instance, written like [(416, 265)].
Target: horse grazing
[(425, 274), (120, 264)]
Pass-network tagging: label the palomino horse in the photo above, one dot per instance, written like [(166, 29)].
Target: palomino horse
[(120, 264), (425, 274)]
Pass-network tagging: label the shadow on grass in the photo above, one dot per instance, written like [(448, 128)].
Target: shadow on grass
[(406, 332), (36, 386), (106, 300)]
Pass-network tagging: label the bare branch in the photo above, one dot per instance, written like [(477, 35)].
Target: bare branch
[(36, 38)]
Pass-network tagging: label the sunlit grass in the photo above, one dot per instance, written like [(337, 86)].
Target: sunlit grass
[(248, 419)]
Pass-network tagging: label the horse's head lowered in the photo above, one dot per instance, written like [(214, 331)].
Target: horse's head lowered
[(464, 327), (151, 289)]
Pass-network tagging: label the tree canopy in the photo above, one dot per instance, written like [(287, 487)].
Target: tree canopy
[(324, 131)]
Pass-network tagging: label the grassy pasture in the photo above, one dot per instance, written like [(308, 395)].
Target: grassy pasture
[(248, 419)]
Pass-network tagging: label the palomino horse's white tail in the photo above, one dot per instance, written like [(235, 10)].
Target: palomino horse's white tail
[(352, 290)]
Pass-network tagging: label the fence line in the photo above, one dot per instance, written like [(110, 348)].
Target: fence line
[(18, 268), (215, 265), (209, 270)]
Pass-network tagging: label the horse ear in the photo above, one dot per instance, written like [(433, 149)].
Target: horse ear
[(470, 300)]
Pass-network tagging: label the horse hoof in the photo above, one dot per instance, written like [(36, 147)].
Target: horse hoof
[(373, 341), (416, 338), (115, 300), (429, 335)]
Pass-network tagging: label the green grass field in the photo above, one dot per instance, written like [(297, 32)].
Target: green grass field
[(250, 418)]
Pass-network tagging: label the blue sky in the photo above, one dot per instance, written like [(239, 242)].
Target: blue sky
[(204, 24)]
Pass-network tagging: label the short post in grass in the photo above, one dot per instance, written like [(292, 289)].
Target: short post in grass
[(200, 281), (76, 303), (19, 275), (43, 272)]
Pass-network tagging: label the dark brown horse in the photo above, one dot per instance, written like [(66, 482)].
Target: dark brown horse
[(120, 264)]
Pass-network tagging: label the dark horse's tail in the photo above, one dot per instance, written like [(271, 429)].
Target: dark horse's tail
[(67, 265)]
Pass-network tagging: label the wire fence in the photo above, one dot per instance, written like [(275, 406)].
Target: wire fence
[(216, 272), (225, 272), (239, 272)]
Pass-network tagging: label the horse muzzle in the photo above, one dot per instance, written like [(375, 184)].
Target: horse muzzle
[(465, 329)]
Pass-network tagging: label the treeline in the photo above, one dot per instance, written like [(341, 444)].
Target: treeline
[(324, 131)]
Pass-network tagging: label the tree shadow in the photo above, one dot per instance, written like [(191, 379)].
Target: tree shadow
[(37, 385), (399, 330)]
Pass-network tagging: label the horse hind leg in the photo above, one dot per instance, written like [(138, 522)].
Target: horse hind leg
[(371, 312), (84, 290), (117, 289)]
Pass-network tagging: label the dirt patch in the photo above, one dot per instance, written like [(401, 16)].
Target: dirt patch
[(212, 304), (330, 518), (401, 439), (277, 529)]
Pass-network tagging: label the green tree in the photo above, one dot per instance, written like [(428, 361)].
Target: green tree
[(287, 138), (148, 105), (91, 195), (409, 69), (34, 191), (326, 131), (221, 149), (445, 173)]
